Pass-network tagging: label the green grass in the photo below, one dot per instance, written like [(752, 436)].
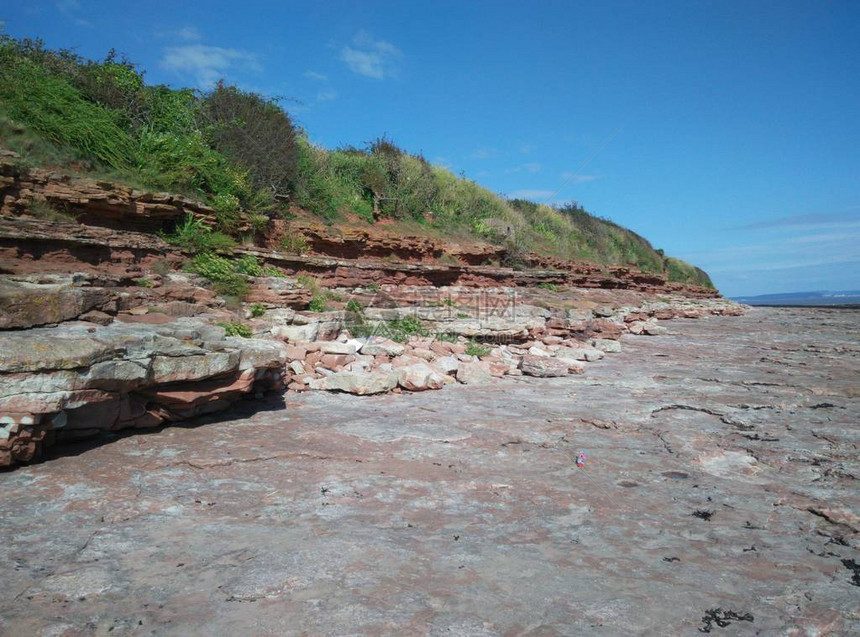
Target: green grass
[(476, 349), (233, 328), (294, 244), (42, 209)]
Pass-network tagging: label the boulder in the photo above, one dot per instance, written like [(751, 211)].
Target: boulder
[(296, 333), (589, 354), (375, 346), (85, 377), (652, 329), (543, 366), (336, 347), (473, 374), (448, 364), (419, 376), (605, 345), (360, 384), (537, 351), (573, 366), (27, 304)]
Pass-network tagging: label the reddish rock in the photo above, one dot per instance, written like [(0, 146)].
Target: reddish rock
[(543, 366), (296, 352), (335, 361)]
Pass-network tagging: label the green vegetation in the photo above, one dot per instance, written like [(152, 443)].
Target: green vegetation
[(476, 349), (42, 209), (144, 283), (294, 244), (196, 237), (241, 153), (236, 329), (318, 303), (682, 272), (401, 329), (552, 287), (221, 272), (257, 310)]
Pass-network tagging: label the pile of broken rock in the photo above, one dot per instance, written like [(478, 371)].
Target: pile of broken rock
[(75, 360)]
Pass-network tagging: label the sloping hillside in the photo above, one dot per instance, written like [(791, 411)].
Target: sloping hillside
[(241, 155)]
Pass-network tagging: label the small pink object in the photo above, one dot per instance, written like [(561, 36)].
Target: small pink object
[(580, 459)]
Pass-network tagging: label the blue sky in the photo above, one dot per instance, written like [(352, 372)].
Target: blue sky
[(739, 140)]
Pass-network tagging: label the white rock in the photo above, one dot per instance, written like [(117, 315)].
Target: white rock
[(589, 354), (376, 346), (361, 384), (605, 345), (537, 351), (297, 367), (336, 347), (473, 374), (447, 364), (419, 377), (296, 333)]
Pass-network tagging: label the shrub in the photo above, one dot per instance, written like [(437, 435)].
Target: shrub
[(143, 283), (318, 303), (294, 244), (193, 235), (257, 134), (401, 329), (42, 209), (233, 328), (221, 273), (248, 264), (552, 287), (257, 310), (476, 349)]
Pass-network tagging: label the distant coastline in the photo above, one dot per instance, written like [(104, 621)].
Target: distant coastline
[(849, 299)]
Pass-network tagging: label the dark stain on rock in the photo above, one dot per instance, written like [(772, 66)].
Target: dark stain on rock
[(854, 567), (676, 475), (722, 618), (702, 514), (672, 559), (628, 484)]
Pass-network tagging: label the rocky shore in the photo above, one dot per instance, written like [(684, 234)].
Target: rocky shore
[(720, 475)]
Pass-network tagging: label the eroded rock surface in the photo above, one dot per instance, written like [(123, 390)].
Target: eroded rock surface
[(719, 493)]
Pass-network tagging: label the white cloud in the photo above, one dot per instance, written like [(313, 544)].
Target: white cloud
[(531, 167), (326, 95), (782, 253), (528, 149), (72, 8), (207, 64), (186, 34), (376, 59), (313, 75), (530, 194), (484, 153), (578, 179), (191, 34)]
